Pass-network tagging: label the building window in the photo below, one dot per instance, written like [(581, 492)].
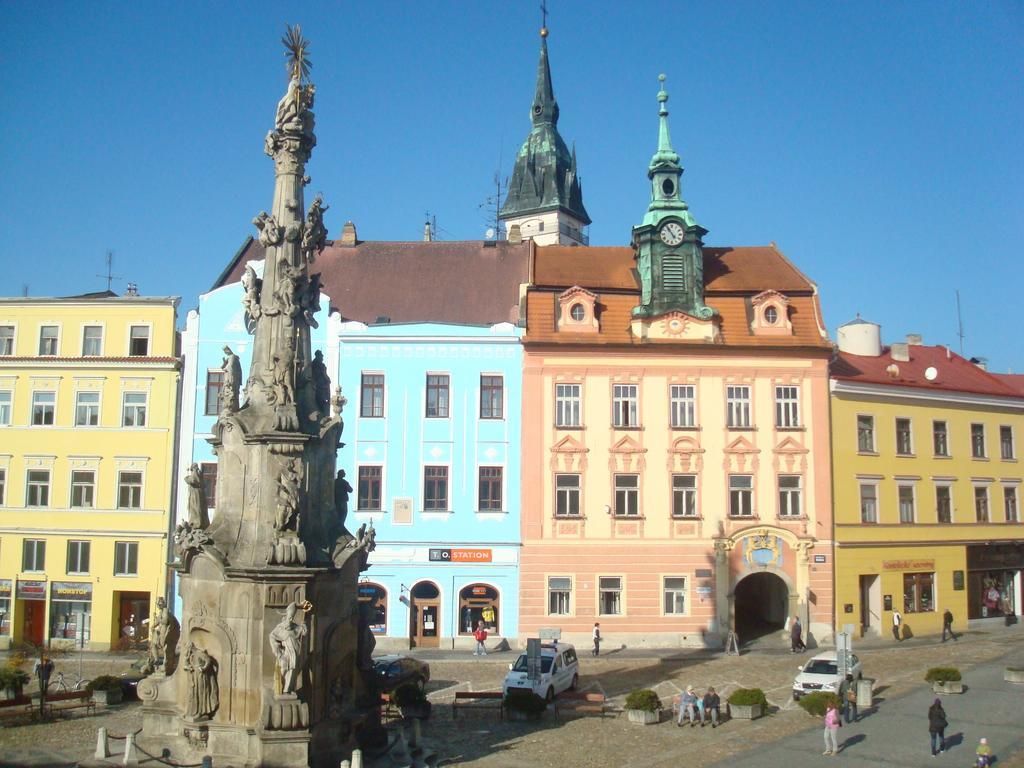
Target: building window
[(737, 406), (906, 499), (78, 557), (866, 434), (577, 311), (43, 406), (48, 339), (208, 472), (674, 590), (683, 400), (214, 384), (138, 345), (435, 488), (1009, 503), (627, 495), (918, 592), (5, 408), (868, 503), (126, 558), (978, 441), (492, 397), (684, 495), (371, 397), (567, 495), (559, 596), (33, 555), (624, 405), (129, 490), (87, 409), (789, 496), (787, 406), (3, 486), (437, 396), (741, 495), (83, 489), (904, 444), (940, 438), (37, 492), (981, 503), (610, 595), (567, 405), (133, 412), (1006, 442), (943, 504), (369, 493), (6, 340), (490, 489), (92, 341)]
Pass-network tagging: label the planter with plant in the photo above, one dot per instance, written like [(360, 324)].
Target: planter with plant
[(413, 702), (747, 703), (1014, 675), (106, 689), (12, 681), (524, 705), (945, 680), (643, 707), (817, 702)]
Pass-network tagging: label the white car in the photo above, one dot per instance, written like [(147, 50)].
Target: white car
[(821, 673), (559, 671)]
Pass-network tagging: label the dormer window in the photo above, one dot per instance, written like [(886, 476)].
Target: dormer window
[(577, 311), (770, 315)]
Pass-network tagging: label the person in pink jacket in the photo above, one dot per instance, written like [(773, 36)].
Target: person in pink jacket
[(832, 725)]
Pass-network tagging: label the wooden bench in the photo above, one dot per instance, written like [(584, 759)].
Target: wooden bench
[(467, 699), (582, 703), (69, 700), (22, 706)]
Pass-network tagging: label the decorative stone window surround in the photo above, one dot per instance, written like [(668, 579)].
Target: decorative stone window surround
[(760, 326), (584, 298)]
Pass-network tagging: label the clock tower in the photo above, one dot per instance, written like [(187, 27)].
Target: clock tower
[(668, 244)]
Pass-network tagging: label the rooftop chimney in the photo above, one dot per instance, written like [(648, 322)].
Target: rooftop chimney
[(900, 353), (914, 339), (981, 362), (427, 234), (515, 235), (348, 234), (131, 290)]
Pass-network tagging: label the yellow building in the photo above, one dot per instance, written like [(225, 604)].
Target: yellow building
[(88, 404), (927, 476)]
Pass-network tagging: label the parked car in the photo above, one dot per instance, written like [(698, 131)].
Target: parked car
[(393, 671), (559, 671), (130, 679), (821, 673)]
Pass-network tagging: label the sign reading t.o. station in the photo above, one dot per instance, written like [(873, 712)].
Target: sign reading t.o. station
[(460, 555)]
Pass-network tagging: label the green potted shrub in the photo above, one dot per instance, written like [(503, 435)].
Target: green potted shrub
[(817, 702), (643, 707), (747, 703), (12, 681), (1014, 675), (945, 680), (413, 702), (524, 705), (106, 689)]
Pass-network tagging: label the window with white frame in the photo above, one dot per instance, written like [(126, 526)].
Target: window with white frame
[(490, 489), (674, 591), (609, 595), (683, 400), (435, 488), (44, 406), (87, 409), (906, 503), (737, 401), (567, 495), (126, 558), (865, 434), (741, 495), (92, 341), (981, 503), (37, 488), (83, 489), (138, 342), (214, 384), (49, 336), (943, 504), (567, 405), (33, 555), (1006, 450), (789, 496), (1010, 504), (978, 441), (78, 557), (868, 503), (492, 396), (940, 438), (627, 495), (624, 405), (684, 495), (6, 397), (133, 411), (904, 438), (559, 596), (787, 407), (3, 486), (6, 340), (129, 490)]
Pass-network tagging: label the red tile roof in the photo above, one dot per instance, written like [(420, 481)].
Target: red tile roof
[(1014, 380)]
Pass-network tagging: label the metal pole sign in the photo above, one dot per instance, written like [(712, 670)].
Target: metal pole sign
[(533, 658), (844, 647)]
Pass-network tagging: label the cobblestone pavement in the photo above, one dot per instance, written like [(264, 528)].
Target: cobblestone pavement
[(480, 739)]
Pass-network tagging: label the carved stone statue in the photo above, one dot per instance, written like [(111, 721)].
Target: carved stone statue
[(321, 382), (203, 691), (314, 235), (342, 491), (232, 382), (366, 542), (252, 285), (288, 644), (338, 403), (286, 293), (198, 517), (287, 498), (164, 632), (187, 538), (284, 392), (289, 108), (270, 232), (310, 300)]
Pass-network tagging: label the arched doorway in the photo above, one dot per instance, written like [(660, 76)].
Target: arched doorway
[(424, 615), (761, 602), (478, 602)]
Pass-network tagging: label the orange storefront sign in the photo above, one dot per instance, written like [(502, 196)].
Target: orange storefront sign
[(908, 565), (460, 555)]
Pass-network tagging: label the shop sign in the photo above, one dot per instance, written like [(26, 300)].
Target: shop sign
[(908, 565), (819, 558), (958, 580), (71, 590), (995, 556), (703, 590), (5, 588), (31, 590), (460, 555), (703, 573)]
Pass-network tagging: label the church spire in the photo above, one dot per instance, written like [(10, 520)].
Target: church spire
[(665, 156), (545, 108)]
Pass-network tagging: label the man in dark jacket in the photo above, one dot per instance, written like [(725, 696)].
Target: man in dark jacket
[(710, 708), (947, 625), (796, 641), (937, 726)]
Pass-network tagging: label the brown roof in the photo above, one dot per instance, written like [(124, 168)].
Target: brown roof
[(466, 282), (1014, 380), (732, 276)]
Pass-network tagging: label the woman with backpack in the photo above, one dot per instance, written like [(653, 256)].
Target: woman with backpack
[(937, 726)]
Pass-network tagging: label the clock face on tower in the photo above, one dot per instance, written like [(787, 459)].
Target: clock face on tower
[(672, 233)]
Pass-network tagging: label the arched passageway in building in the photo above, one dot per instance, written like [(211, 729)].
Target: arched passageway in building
[(761, 603)]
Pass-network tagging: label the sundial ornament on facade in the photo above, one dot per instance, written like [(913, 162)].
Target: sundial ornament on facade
[(270, 635)]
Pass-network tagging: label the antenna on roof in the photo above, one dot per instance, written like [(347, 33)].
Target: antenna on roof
[(491, 206), (24, 289), (430, 226), (110, 268), (959, 323)]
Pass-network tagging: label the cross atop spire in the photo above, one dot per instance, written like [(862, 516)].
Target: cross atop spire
[(543, 18), (665, 157)]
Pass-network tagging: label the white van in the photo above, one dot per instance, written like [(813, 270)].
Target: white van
[(559, 671)]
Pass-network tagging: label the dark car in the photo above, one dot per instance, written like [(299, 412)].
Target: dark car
[(393, 671), (130, 679)]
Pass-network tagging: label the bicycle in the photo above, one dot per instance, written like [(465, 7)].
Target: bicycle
[(60, 685)]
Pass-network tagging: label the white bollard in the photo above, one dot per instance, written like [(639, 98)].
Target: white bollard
[(345, 764), (131, 756), (357, 758), (102, 748)]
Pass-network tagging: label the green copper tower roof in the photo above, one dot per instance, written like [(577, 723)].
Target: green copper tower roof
[(544, 177), (665, 173)]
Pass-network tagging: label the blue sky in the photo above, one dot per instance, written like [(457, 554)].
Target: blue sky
[(878, 144)]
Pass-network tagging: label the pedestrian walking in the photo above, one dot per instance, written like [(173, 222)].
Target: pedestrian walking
[(848, 699), (947, 625), (712, 705), (796, 640), (481, 636), (897, 622), (937, 727), (832, 726), (597, 639)]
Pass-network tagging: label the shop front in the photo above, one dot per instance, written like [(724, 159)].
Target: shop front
[(71, 613), (994, 582), (5, 610), (31, 610)]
